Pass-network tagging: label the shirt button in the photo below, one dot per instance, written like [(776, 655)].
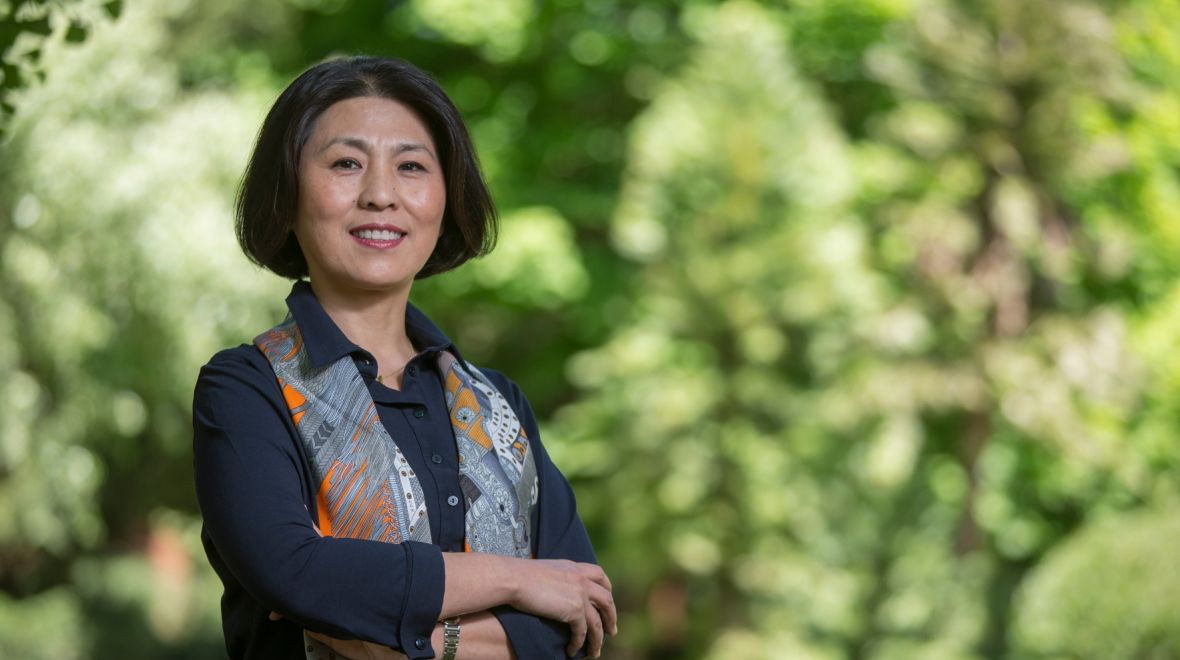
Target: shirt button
[(453, 500), (412, 370), (419, 412), (420, 643), (436, 459)]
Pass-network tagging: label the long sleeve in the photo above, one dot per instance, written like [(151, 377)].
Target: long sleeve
[(560, 535), (256, 497)]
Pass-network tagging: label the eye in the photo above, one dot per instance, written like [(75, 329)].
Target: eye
[(346, 164), (412, 166)]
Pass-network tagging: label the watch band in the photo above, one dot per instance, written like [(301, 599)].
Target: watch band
[(450, 638)]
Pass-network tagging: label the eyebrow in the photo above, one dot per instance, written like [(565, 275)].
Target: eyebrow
[(363, 145)]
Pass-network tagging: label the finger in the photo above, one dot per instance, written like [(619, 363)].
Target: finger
[(594, 636), (595, 573), (274, 616), (327, 639), (350, 648), (577, 636), (379, 652), (313, 525), (605, 602)]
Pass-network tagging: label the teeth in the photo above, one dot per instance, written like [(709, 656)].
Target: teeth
[(378, 234)]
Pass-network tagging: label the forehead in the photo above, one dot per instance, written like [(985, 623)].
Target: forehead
[(372, 119)]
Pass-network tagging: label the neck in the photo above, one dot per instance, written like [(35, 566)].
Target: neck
[(373, 320)]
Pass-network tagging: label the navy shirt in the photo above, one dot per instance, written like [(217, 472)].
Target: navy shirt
[(257, 497)]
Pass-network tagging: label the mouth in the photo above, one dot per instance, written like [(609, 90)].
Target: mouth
[(378, 237)]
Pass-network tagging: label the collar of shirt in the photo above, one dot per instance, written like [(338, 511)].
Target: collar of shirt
[(326, 343)]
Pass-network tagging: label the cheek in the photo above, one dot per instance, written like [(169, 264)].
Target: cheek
[(434, 202), (318, 200), (316, 208)]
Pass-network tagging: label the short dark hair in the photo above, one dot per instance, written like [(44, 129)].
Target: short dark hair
[(268, 197)]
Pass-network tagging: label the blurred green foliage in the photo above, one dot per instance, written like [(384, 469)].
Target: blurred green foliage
[(852, 322)]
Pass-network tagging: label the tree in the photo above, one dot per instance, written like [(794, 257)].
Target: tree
[(27, 28), (854, 412), (851, 321)]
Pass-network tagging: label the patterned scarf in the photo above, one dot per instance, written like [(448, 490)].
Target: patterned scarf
[(367, 489)]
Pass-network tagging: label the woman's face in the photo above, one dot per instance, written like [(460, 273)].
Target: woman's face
[(371, 197)]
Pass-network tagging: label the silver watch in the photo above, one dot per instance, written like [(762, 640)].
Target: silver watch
[(450, 638)]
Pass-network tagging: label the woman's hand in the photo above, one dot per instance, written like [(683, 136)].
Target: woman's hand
[(483, 637), (575, 593), (355, 649), (350, 649)]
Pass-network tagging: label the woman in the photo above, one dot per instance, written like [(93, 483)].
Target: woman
[(358, 479)]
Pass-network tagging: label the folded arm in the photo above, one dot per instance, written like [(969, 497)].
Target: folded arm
[(250, 482), (560, 534), (482, 639)]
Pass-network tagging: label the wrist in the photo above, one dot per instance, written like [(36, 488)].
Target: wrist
[(436, 639), (511, 580), (451, 630)]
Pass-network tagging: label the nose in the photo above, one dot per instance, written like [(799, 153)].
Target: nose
[(378, 189)]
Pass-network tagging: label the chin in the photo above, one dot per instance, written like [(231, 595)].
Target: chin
[(378, 284)]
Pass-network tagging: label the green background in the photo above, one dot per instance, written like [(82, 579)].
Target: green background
[(852, 322)]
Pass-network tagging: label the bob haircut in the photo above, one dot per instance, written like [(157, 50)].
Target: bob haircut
[(268, 199)]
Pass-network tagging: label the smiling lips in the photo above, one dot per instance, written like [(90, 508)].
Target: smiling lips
[(378, 236)]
